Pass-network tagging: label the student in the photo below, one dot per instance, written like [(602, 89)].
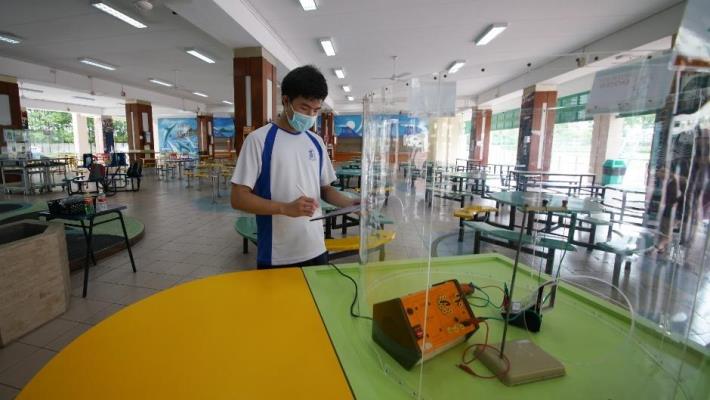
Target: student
[(282, 171)]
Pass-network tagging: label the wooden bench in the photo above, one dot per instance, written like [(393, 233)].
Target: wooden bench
[(624, 250), (486, 232), (472, 213), (337, 248)]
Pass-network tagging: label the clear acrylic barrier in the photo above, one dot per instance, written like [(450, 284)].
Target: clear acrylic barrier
[(638, 334)]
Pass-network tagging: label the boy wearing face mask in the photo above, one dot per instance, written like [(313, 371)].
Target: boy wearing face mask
[(282, 171)]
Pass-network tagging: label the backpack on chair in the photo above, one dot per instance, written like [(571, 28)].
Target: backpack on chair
[(135, 171)]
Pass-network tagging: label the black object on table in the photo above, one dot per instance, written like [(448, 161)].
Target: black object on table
[(81, 218)]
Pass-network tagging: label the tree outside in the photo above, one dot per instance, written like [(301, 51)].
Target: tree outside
[(50, 126), (119, 130)]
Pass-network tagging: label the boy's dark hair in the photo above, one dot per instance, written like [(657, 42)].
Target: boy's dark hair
[(307, 82)]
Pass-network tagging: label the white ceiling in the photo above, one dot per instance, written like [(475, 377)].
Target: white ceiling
[(56, 33), (427, 36)]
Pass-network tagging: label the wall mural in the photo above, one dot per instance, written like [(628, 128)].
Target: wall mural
[(223, 127), (350, 126), (178, 135)]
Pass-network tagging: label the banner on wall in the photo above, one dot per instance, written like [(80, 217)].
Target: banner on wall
[(223, 127), (178, 135)]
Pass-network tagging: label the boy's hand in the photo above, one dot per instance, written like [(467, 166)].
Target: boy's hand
[(301, 207)]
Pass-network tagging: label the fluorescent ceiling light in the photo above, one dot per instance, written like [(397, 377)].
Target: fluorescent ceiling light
[(490, 33), (97, 64), (227, 102), (328, 46), (351, 98), (84, 98), (340, 73), (161, 83), (456, 66), (7, 38), (199, 94), (308, 5), (346, 88), (117, 14), (200, 55)]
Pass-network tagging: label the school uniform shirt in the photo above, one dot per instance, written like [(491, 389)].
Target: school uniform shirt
[(282, 166)]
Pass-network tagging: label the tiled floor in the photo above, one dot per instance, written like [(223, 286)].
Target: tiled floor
[(187, 237)]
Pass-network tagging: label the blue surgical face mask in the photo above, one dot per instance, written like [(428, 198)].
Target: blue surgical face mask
[(300, 122)]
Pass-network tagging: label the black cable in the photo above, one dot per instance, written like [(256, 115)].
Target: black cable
[(352, 305)]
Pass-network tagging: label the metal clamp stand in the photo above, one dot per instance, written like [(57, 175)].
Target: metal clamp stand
[(519, 361)]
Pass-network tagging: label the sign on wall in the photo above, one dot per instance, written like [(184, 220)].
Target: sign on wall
[(636, 87)]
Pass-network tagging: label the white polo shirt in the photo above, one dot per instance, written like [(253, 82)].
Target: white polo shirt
[(282, 166)]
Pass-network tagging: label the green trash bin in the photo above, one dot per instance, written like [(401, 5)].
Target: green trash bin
[(613, 172)]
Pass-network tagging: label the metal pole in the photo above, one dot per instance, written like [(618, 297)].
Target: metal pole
[(512, 280)]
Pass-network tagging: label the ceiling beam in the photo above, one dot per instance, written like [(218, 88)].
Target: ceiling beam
[(68, 80), (60, 106), (653, 28)]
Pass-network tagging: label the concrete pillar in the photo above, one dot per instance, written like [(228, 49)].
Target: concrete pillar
[(98, 134), (537, 124), (327, 132), (607, 141), (480, 135), (81, 133), (10, 109), (204, 133), (139, 128), (254, 91)]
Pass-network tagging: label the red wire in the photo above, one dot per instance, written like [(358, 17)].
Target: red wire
[(464, 363)]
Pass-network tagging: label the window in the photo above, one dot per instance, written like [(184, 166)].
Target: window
[(503, 147), (571, 147), (120, 136), (636, 147), (52, 131)]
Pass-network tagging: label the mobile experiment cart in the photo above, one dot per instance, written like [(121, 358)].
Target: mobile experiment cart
[(287, 334)]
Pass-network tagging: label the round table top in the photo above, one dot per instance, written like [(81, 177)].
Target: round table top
[(244, 335), (534, 199)]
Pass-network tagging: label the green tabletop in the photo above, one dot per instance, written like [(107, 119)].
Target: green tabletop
[(603, 357), (534, 199), (348, 172), (466, 175)]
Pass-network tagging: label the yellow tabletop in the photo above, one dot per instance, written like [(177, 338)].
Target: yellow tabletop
[(245, 335)]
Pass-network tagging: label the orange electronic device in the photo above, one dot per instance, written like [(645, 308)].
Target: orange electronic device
[(399, 324)]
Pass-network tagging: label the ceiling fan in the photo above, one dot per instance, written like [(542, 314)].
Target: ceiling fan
[(394, 77)]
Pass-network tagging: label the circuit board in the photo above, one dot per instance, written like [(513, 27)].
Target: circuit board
[(448, 316)]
